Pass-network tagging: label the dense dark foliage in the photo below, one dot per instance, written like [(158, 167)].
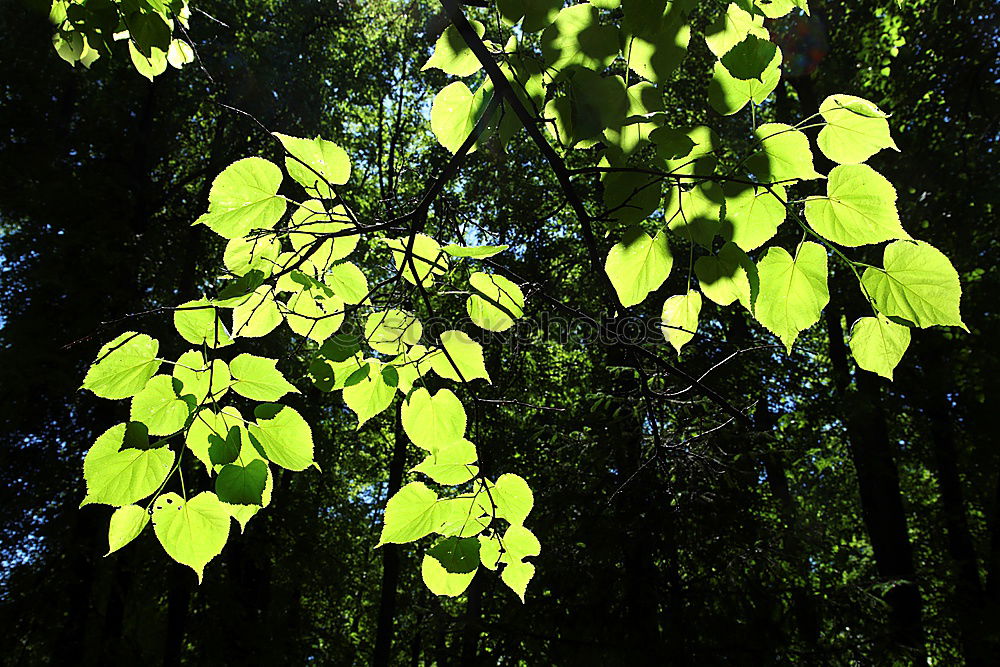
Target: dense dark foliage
[(857, 522)]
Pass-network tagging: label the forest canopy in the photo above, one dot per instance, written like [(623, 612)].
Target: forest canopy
[(620, 331)]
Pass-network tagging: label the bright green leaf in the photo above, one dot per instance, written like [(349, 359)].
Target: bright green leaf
[(638, 265), (442, 582), (679, 319), (126, 524), (316, 164), (370, 395), (784, 154), (464, 353), (283, 436), (409, 515), (753, 214), (121, 477), (200, 323), (859, 208), (195, 375), (192, 532), (793, 290), (513, 498), (918, 284), (258, 378), (433, 422), (496, 303), (878, 344), (243, 198), (159, 407), (123, 366), (452, 55), (855, 129)]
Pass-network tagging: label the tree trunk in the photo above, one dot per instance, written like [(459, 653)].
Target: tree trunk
[(878, 486), (969, 594), (390, 558)]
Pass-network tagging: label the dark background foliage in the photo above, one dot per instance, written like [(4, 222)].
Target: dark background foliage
[(857, 523)]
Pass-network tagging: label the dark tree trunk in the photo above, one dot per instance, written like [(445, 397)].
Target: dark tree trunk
[(930, 395), (180, 581), (390, 558), (878, 486)]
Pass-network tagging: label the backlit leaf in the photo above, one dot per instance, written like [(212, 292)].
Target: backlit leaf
[(793, 290)]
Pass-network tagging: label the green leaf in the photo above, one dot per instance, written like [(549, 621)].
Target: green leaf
[(784, 154), (256, 315), (194, 375), (727, 94), (537, 14), (409, 515), (793, 290), (309, 223), (638, 265), (258, 378), (315, 164), (855, 129), (465, 515), (457, 555), (654, 54), (918, 285), (694, 214), (513, 498), (192, 532), (282, 435), (433, 422), (686, 153), (314, 316), (774, 9), (452, 464), (126, 524), (679, 320), (630, 198), (576, 37), (243, 198), (476, 252), (723, 278), (242, 485), (159, 407), (123, 366), (198, 322), (454, 114), (465, 354), (749, 58), (859, 208), (732, 28), (878, 344), (644, 101), (428, 259), (217, 438), (348, 282), (179, 54), (150, 67), (593, 103), (370, 395), (442, 582), (452, 55), (496, 303), (392, 331), (516, 544), (248, 455), (753, 214), (121, 477), (243, 255)]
